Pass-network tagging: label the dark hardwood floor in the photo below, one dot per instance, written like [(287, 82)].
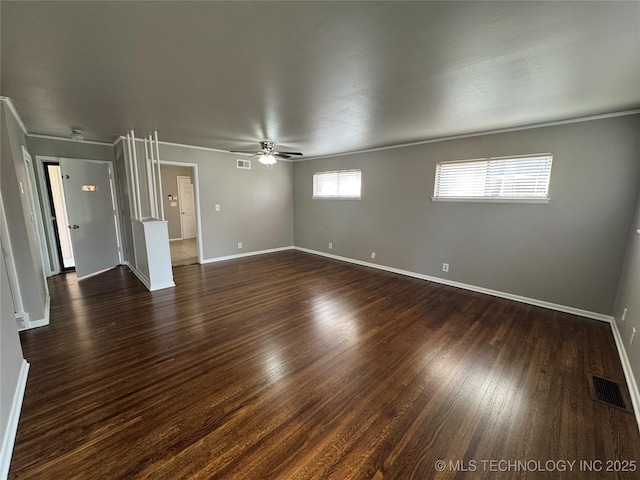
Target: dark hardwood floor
[(293, 366)]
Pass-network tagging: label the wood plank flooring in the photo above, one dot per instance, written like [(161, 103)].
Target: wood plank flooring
[(293, 366)]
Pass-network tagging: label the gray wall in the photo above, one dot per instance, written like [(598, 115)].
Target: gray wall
[(629, 297), (256, 205), (568, 252), (170, 175), (68, 149), (17, 207), (10, 351)]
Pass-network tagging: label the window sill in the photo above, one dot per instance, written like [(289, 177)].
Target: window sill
[(491, 200), (336, 198)]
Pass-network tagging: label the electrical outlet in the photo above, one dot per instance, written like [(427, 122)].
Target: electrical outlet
[(633, 335), (445, 267), (330, 246), (217, 207), (624, 315), (239, 245), (373, 254)]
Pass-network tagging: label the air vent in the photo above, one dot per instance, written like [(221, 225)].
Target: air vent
[(244, 164), (608, 392)]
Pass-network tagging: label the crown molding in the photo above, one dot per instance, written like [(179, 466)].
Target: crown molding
[(13, 110), (63, 139), (479, 134)]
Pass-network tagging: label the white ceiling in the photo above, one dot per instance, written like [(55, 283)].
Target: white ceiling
[(319, 77)]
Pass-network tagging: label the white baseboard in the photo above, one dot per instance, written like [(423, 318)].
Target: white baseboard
[(175, 239), (9, 435), (161, 286), (43, 322), (142, 277), (22, 319), (473, 288), (248, 254), (146, 282), (628, 372)]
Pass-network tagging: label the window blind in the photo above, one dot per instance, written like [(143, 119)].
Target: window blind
[(508, 178), (337, 184)]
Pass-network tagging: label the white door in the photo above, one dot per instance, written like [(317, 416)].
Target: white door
[(88, 193), (187, 207)]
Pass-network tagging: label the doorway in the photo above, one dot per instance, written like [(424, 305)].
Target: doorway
[(59, 217), (180, 197), (80, 215)]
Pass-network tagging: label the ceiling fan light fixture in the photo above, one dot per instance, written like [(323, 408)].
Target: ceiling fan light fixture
[(267, 159)]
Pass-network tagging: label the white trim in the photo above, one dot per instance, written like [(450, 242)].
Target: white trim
[(479, 134), (13, 110), (64, 139), (22, 319), (36, 215), (334, 197), (495, 293), (171, 144), (628, 372), (141, 276), (12, 272), (145, 281), (180, 197), (43, 322), (9, 435), (248, 254), (52, 247), (490, 200), (175, 239)]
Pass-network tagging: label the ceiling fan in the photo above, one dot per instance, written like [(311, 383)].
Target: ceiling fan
[(267, 153)]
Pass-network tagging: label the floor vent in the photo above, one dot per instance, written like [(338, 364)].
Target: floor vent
[(609, 393)]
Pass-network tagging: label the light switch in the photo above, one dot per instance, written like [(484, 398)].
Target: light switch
[(217, 207), (174, 204)]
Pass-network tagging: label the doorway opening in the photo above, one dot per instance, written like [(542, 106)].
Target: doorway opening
[(179, 198), (59, 216)]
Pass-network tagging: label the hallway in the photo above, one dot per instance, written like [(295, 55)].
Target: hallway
[(184, 252)]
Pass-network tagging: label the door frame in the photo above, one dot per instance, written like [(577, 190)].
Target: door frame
[(178, 177), (52, 209), (36, 215), (51, 242), (12, 272), (196, 196), (52, 246)]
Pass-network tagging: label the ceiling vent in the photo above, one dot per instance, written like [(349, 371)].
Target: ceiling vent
[(244, 164)]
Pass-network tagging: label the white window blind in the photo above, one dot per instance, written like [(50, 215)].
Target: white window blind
[(506, 179), (337, 184)]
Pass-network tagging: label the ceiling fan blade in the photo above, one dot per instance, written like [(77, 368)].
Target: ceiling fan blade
[(243, 151), (281, 155), (292, 153)]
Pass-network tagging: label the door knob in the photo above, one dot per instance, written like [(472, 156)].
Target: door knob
[(75, 227)]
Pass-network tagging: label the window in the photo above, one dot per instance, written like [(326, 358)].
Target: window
[(505, 179), (338, 184)]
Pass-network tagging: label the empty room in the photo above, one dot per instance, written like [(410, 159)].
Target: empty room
[(320, 240)]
